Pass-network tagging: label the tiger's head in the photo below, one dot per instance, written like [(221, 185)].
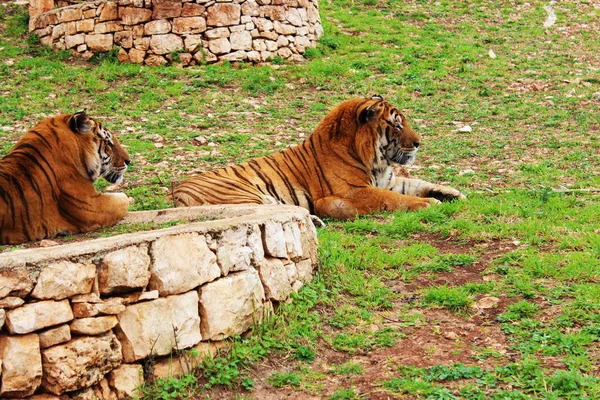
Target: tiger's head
[(395, 140), (100, 151)]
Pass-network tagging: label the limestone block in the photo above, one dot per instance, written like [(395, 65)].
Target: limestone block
[(217, 33), (185, 58), (305, 270), (254, 241), (263, 24), (164, 44), (181, 263), (82, 48), (10, 302), (228, 305), (80, 363), (250, 8), (267, 55), (204, 56), (241, 41), (74, 40), (109, 12), (192, 10), (232, 252), (274, 13), (259, 45), (302, 31), (254, 56), (134, 16), (293, 240), (111, 306), (142, 43), (157, 27), (124, 39), (166, 8), (237, 28), (37, 7), (21, 365), (155, 60), (293, 17), (44, 20), (219, 46), (313, 15), (59, 31), (102, 391), (89, 13), (107, 27), (273, 235), (296, 286), (138, 32), (43, 32), (34, 316), (85, 25), (64, 279), (282, 41), (224, 14), (71, 14), (152, 326), (283, 29), (125, 380), (302, 41), (189, 25), (54, 336), (235, 56), (274, 276), (269, 35), (124, 269), (2, 319), (192, 42), (137, 297), (86, 298), (93, 325), (137, 56), (99, 43), (71, 30), (292, 272), (177, 365)]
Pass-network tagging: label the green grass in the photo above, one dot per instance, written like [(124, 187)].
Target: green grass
[(528, 233)]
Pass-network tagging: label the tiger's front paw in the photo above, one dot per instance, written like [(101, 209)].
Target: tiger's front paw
[(120, 202), (446, 193), (418, 203)]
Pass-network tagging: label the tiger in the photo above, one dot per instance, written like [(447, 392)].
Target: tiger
[(342, 170), (47, 180)]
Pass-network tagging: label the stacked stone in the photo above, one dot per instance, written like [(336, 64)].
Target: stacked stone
[(156, 32), (83, 326)]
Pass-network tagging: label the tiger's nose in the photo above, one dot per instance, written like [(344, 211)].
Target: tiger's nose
[(127, 161), (416, 144)]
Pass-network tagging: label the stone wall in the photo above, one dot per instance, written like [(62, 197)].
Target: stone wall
[(156, 32), (90, 319)]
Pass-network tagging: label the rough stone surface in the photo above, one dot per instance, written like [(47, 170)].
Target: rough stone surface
[(93, 325), (164, 44), (109, 12), (111, 306), (224, 14), (34, 316), (228, 306), (11, 302), (254, 241), (15, 283), (166, 8), (99, 43), (189, 25), (64, 279), (182, 263), (151, 326), (80, 363), (157, 27), (54, 336), (232, 253), (304, 269), (274, 276), (2, 319), (241, 40), (124, 270), (219, 46), (21, 365), (133, 15), (293, 240), (274, 240), (125, 380)]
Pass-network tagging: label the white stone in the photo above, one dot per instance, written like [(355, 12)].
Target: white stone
[(241, 40), (255, 237), (219, 46), (282, 41), (263, 24), (138, 297), (181, 263), (254, 56), (191, 42), (15, 283), (250, 8), (217, 33), (292, 272), (274, 276), (54, 336), (232, 252), (284, 52), (235, 56), (80, 363), (164, 44), (64, 279), (259, 45), (157, 27), (74, 40), (293, 240), (34, 316), (271, 45), (296, 286), (229, 305), (126, 379), (151, 326), (21, 365), (189, 25), (274, 236), (93, 325), (124, 270), (293, 17), (304, 269), (11, 302)]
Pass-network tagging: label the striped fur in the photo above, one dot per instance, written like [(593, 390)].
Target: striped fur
[(342, 170), (47, 180)]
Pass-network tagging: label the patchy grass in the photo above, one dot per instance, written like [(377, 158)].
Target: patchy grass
[(397, 307)]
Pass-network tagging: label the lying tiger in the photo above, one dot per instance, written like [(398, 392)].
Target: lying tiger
[(47, 180), (342, 170)]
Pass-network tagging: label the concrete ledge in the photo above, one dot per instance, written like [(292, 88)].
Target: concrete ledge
[(101, 308)]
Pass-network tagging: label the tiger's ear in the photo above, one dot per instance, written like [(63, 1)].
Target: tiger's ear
[(368, 114), (81, 123)]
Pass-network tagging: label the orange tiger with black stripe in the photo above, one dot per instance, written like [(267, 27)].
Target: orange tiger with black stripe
[(342, 170), (47, 180)]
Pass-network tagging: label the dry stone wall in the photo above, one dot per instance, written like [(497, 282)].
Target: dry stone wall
[(85, 320), (156, 32)]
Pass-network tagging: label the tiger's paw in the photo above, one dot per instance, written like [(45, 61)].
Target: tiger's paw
[(445, 193), (317, 222)]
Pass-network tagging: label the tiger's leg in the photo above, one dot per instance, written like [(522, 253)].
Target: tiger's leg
[(367, 201), (99, 210), (420, 188)]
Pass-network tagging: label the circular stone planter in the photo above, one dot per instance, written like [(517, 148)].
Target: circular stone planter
[(91, 315), (156, 32)]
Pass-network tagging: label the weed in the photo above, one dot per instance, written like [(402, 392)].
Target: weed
[(456, 299)]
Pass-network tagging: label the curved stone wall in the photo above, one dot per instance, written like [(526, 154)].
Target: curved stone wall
[(89, 320), (156, 32)]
